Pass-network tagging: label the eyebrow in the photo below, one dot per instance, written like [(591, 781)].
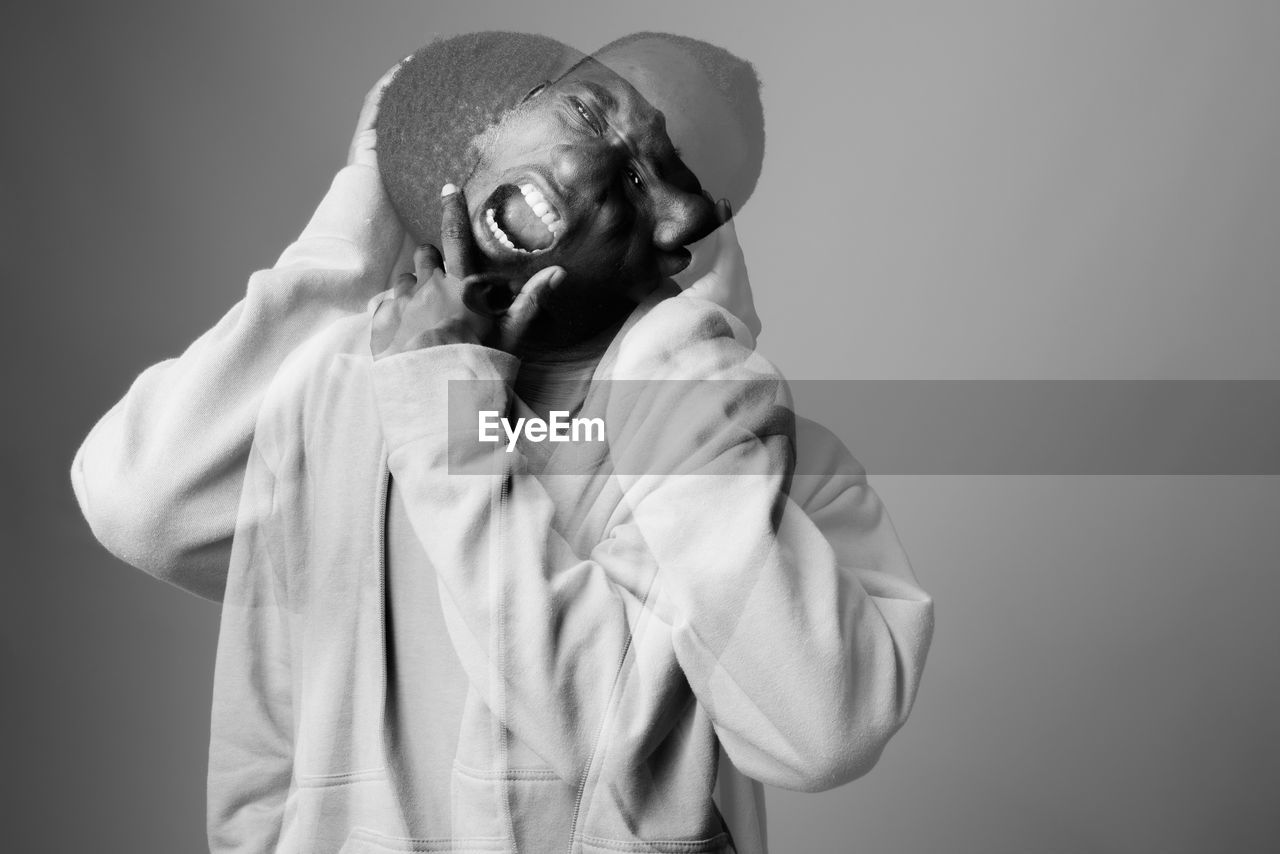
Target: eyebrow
[(601, 94)]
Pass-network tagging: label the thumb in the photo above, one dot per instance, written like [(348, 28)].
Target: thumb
[(515, 323)]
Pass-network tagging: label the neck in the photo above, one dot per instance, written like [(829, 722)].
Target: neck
[(572, 328), (557, 377)]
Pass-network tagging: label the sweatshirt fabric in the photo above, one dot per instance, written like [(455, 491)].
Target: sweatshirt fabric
[(617, 627), (160, 479)]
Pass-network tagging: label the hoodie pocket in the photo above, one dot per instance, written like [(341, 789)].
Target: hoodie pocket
[(365, 841), (718, 844), (323, 809), (532, 803)]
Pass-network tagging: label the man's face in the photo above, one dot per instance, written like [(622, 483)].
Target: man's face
[(712, 140), (583, 175)]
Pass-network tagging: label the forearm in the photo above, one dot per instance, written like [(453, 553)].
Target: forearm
[(806, 663), (158, 478)]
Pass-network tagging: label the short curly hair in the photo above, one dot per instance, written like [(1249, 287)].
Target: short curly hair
[(451, 90), (440, 99)]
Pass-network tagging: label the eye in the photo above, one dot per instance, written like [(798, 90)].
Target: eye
[(587, 116), (536, 90), (633, 178)]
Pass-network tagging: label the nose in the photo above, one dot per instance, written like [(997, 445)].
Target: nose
[(681, 218)]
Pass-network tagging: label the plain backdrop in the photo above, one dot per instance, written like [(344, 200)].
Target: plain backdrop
[(1086, 190)]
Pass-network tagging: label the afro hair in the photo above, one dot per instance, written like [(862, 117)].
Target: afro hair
[(440, 99)]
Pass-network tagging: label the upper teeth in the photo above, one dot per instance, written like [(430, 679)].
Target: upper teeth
[(533, 198)]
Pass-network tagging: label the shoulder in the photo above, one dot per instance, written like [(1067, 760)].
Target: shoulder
[(312, 383), (687, 337), (687, 386)]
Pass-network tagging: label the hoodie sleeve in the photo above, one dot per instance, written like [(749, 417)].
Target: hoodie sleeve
[(158, 477), (709, 557)]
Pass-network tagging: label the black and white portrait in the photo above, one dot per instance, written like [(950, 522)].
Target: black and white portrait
[(680, 427)]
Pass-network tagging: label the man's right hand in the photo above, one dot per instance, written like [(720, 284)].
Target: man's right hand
[(446, 301), (363, 148)]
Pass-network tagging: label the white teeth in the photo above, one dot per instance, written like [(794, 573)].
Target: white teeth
[(498, 233), (538, 204), (541, 209)]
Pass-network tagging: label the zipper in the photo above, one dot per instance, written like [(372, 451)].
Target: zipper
[(385, 499), (577, 800), (605, 720), (500, 653)]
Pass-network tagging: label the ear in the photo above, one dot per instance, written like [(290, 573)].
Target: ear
[(535, 90)]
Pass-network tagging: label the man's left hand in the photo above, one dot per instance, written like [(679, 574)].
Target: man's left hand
[(445, 300)]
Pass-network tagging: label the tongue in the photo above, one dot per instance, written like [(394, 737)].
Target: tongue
[(522, 225)]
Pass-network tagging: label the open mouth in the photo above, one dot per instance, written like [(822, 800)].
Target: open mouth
[(520, 218)]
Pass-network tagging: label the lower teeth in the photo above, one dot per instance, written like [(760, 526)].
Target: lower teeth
[(501, 236)]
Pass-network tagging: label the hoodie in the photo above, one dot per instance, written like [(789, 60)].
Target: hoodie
[(622, 668)]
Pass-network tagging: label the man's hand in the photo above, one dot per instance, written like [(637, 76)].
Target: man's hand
[(446, 301), (363, 148), (719, 271)]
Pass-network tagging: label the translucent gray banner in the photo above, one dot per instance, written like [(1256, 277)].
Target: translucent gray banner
[(918, 427)]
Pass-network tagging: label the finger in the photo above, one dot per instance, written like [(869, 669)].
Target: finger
[(525, 307), (427, 261), (369, 108), (455, 233), (405, 280), (386, 320), (724, 212), (404, 284), (364, 142)]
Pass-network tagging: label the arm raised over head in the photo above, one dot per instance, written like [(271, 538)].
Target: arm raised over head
[(159, 476)]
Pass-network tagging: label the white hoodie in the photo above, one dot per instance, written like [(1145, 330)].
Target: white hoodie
[(695, 607)]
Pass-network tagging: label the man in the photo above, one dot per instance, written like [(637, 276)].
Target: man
[(158, 478), (330, 788)]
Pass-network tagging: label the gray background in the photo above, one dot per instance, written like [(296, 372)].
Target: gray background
[(984, 190)]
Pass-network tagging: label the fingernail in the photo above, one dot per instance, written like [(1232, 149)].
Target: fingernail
[(447, 190), (557, 277)]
